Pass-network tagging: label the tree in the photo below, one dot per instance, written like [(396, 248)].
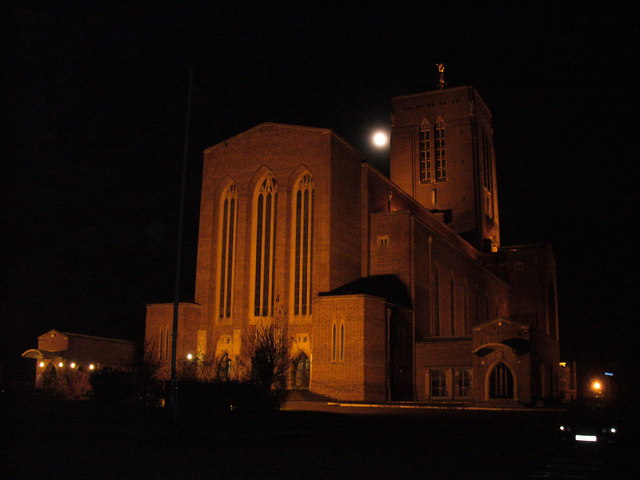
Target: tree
[(268, 350)]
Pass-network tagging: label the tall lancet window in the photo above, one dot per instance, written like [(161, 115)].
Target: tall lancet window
[(425, 152), (436, 302), (440, 138), (302, 244), (264, 246), (452, 306), (228, 221)]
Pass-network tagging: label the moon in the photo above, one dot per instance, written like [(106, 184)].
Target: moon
[(380, 139)]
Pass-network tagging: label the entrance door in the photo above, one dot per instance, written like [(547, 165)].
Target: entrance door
[(301, 371), (501, 382)]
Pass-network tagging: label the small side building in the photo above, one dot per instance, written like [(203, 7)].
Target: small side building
[(62, 355)]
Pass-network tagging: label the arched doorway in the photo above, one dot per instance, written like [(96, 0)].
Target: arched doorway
[(224, 368), (50, 378), (301, 371), (501, 382)]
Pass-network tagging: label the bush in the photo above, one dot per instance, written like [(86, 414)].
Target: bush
[(113, 386)]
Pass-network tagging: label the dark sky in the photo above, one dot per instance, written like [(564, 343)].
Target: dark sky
[(94, 101)]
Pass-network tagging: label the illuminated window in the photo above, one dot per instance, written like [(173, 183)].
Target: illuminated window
[(439, 384), (227, 229), (425, 152), (263, 259), (303, 241), (441, 151)]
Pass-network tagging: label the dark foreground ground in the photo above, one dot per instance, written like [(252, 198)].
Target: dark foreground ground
[(80, 440)]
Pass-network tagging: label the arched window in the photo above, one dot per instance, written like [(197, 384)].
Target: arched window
[(425, 152), (436, 302), (341, 349), (501, 382), (302, 244), (227, 229), (264, 246), (334, 342), (301, 371), (452, 305), (440, 139), (465, 308)]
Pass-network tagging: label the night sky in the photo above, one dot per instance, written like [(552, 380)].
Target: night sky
[(95, 98)]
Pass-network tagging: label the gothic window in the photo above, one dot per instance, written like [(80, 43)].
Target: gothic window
[(341, 349), (227, 229), (334, 342), (425, 152), (436, 302), (302, 244), (501, 382), (440, 138), (465, 308), (264, 246), (452, 306)]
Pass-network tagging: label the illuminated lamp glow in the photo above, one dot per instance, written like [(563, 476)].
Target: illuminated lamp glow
[(586, 438), (380, 139), (61, 364), (613, 429), (92, 366), (189, 356), (73, 365), (596, 385), (41, 364)]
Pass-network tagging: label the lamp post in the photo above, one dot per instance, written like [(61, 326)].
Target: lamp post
[(173, 397)]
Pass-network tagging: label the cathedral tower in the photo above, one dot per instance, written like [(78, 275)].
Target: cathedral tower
[(442, 154)]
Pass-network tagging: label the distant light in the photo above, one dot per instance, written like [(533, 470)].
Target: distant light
[(608, 374), (73, 365), (92, 366), (613, 430), (41, 364), (562, 427), (586, 438), (380, 139), (596, 385), (61, 364), (563, 364), (189, 356)]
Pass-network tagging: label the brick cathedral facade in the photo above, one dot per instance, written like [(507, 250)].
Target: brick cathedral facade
[(390, 288)]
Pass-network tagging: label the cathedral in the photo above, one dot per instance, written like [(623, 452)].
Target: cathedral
[(390, 289)]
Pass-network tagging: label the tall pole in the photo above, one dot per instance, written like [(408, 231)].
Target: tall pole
[(176, 299)]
